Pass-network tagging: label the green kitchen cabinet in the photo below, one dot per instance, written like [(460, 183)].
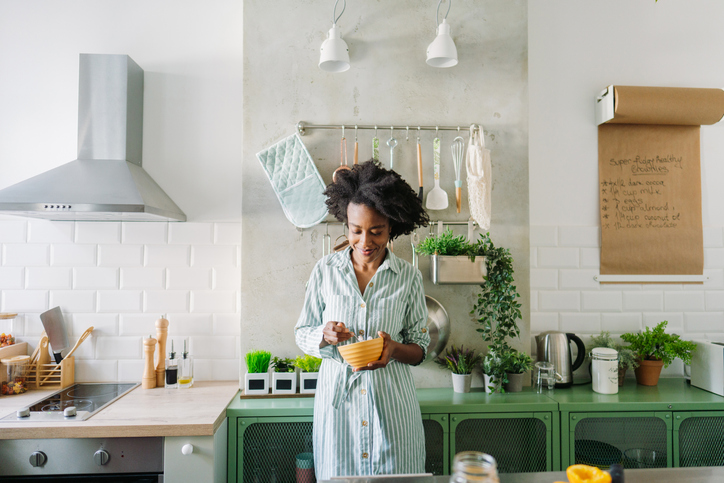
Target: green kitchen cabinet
[(519, 442), (699, 438), (437, 443)]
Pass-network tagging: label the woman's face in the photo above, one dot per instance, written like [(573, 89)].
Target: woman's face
[(369, 232)]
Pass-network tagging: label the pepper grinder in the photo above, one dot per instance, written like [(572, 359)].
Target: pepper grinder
[(149, 372), (161, 334)]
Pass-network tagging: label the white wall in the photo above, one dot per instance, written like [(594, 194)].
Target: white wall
[(119, 277), (576, 50)]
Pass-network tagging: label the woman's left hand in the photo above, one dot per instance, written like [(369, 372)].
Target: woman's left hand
[(386, 356)]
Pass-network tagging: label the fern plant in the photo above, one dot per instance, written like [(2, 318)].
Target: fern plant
[(656, 345), (448, 244), (257, 361)]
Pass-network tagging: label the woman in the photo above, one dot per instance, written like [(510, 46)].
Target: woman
[(367, 421)]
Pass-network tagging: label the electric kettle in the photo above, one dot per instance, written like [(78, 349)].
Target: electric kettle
[(555, 347)]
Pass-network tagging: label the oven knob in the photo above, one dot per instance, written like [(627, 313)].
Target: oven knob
[(69, 412), (23, 413), (101, 457), (38, 458)]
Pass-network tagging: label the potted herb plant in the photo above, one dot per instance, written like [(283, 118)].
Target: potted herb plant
[(460, 362), (516, 364), (309, 365), (626, 357), (284, 378), (453, 259), (497, 310), (656, 349), (256, 380)]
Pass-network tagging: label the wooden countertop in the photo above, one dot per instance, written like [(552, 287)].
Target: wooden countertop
[(197, 411)]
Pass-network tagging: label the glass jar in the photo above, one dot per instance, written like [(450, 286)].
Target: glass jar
[(17, 369), (604, 370), (7, 329), (474, 467)]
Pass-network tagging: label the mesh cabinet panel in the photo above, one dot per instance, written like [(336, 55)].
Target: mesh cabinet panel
[(701, 441), (434, 447), (519, 445), (635, 442), (270, 450)]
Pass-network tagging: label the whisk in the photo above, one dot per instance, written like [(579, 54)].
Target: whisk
[(458, 150)]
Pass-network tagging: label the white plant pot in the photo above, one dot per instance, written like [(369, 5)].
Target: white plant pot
[(490, 381), (256, 383), (461, 382), (284, 383), (308, 382)]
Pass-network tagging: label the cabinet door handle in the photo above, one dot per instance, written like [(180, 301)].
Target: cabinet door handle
[(187, 449)]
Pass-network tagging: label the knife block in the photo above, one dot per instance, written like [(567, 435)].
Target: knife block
[(52, 376)]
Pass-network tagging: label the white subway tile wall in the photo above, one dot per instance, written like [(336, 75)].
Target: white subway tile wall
[(120, 278), (564, 295)]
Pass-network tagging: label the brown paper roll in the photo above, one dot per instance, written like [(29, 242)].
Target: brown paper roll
[(680, 106)]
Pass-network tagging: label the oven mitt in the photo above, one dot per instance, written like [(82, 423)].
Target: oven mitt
[(295, 181), (480, 179)]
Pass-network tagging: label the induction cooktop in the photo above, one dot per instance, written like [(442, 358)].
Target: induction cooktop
[(74, 403)]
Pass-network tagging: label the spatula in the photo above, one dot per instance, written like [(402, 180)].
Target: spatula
[(437, 198)]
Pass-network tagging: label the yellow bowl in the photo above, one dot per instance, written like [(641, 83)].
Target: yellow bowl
[(362, 353)]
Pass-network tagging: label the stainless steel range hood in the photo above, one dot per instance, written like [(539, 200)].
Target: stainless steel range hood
[(106, 182)]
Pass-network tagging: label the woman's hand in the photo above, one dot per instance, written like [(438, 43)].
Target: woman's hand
[(385, 358), (335, 332)]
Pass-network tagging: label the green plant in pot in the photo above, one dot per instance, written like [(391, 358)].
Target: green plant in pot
[(453, 259), (626, 357), (309, 365), (257, 376), (460, 362), (284, 377), (516, 364), (655, 349), (497, 310)]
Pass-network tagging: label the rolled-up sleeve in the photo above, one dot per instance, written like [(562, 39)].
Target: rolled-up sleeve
[(308, 331), (415, 331)]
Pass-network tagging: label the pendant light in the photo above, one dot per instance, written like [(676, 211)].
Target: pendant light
[(442, 51), (334, 54)]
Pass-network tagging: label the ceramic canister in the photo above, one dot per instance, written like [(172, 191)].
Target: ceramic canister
[(604, 370)]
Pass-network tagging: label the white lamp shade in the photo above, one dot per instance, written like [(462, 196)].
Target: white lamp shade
[(442, 51), (334, 55)]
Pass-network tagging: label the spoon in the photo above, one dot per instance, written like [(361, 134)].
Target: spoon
[(392, 142)]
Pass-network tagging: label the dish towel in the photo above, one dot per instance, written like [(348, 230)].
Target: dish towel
[(295, 180), (480, 179)]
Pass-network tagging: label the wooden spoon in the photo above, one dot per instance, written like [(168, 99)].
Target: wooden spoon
[(83, 337)]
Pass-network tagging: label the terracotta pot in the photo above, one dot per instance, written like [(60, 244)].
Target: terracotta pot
[(515, 382), (621, 376), (648, 372)]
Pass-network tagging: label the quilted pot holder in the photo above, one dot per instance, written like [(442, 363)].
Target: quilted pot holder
[(295, 181)]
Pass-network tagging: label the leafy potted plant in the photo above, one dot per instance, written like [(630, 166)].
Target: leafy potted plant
[(656, 349), (309, 365), (460, 362), (256, 380), (454, 259), (516, 364), (626, 357), (497, 310), (284, 378)]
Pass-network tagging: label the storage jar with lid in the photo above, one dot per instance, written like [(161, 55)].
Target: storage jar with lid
[(604, 370), (474, 467), (17, 368)]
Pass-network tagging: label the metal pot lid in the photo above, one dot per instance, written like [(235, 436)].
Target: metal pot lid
[(438, 326)]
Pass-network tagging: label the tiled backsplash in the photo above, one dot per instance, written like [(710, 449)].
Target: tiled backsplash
[(119, 278), (564, 295)]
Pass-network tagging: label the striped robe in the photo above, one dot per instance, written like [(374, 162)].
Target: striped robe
[(368, 422)]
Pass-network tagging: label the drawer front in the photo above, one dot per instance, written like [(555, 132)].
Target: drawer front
[(520, 443), (636, 440)]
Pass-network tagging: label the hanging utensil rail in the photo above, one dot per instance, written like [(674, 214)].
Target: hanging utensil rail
[(303, 126)]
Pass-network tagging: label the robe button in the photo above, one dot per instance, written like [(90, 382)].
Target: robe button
[(363, 392), (361, 332), (365, 455), (372, 284), (362, 305), (423, 330), (364, 423)]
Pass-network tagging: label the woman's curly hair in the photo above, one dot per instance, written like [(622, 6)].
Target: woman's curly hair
[(384, 190)]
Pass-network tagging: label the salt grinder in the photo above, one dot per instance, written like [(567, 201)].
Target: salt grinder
[(161, 335), (149, 372)]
